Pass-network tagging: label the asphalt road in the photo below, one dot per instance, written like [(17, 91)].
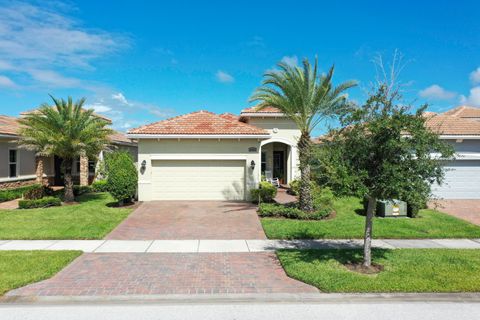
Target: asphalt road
[(277, 311)]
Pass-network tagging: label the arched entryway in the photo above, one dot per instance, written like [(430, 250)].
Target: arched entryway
[(278, 156)]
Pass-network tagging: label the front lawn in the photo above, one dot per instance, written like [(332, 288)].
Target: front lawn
[(349, 225), (90, 219), (19, 268), (405, 270)]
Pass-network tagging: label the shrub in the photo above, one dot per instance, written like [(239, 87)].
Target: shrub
[(79, 190), (295, 187), (121, 176), (290, 212), (323, 198), (11, 194), (100, 186), (38, 192), (39, 203), (265, 193)]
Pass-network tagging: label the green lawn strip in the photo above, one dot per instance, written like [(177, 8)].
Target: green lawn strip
[(406, 270), (19, 268), (92, 218), (349, 225)]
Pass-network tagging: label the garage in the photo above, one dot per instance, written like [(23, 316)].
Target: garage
[(198, 180), (462, 180)]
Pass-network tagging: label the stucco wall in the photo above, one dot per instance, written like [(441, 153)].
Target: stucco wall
[(25, 161), (282, 130), (172, 149)]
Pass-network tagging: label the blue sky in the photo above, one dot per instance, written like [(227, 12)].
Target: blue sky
[(142, 61)]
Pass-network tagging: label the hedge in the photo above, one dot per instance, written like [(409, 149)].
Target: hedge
[(39, 203), (11, 194)]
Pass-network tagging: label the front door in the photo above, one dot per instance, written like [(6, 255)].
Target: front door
[(279, 165), (58, 171)]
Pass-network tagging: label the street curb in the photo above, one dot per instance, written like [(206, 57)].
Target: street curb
[(312, 298)]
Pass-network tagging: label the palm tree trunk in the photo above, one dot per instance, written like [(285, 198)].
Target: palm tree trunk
[(367, 240), (305, 155), (39, 169), (69, 196)]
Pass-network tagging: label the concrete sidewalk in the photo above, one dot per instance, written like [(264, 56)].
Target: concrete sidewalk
[(202, 246)]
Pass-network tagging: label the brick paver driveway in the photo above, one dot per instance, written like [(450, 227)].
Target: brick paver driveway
[(171, 220), (96, 274), (168, 273), (464, 209)]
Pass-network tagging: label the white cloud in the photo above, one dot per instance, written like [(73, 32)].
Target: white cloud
[(224, 77), (36, 40), (120, 97), (436, 92), (98, 107), (475, 76), (290, 60), (473, 98), (6, 82)]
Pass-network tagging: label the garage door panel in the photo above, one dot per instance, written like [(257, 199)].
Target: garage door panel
[(198, 180), (462, 181)]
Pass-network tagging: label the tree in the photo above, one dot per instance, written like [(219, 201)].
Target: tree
[(122, 176), (307, 98), (67, 131), (391, 152)]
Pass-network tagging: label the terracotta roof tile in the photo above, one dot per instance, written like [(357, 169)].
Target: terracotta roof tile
[(452, 125), (200, 122), (464, 112), (120, 137), (254, 109), (9, 125)]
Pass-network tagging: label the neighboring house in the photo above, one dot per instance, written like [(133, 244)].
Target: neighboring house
[(461, 128), (208, 156), (19, 166)]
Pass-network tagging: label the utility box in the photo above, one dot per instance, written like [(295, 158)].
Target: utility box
[(391, 208)]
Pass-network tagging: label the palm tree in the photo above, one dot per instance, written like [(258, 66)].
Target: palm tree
[(67, 131), (307, 98)]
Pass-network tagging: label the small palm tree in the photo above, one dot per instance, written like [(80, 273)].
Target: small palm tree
[(307, 98), (67, 131)]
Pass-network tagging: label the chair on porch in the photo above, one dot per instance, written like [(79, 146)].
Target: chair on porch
[(269, 178)]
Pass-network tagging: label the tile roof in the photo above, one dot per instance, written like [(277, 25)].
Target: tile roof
[(464, 112), (452, 125), (254, 109), (8, 125), (120, 137), (200, 123)]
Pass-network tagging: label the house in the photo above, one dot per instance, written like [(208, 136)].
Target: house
[(20, 167), (208, 156), (461, 128)]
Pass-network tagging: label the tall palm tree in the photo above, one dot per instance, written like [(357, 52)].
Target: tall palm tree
[(67, 131), (307, 98)]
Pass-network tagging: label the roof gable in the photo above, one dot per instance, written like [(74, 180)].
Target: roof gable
[(464, 112), (200, 123)]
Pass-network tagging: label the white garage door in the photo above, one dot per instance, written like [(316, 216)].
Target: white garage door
[(198, 180), (462, 181)]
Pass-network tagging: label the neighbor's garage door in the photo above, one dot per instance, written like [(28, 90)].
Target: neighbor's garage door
[(462, 180), (198, 180)]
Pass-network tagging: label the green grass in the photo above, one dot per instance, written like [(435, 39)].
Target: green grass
[(19, 268), (406, 270), (90, 219), (350, 225)]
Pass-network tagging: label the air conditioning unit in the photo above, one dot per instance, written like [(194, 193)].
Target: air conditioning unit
[(391, 208)]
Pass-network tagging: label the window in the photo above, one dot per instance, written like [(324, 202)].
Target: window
[(264, 161), (91, 166), (12, 163)]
